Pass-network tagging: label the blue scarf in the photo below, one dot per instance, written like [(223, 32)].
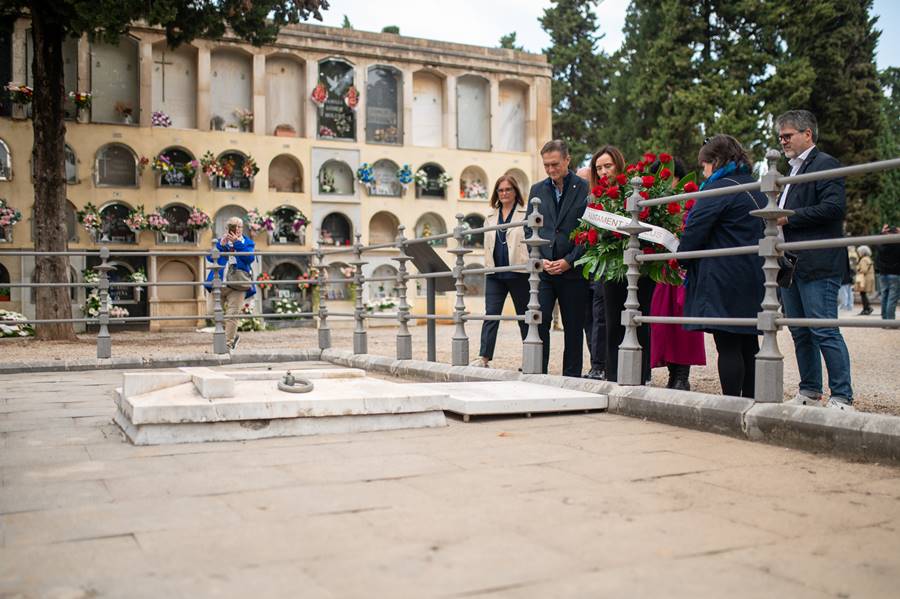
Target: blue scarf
[(723, 171)]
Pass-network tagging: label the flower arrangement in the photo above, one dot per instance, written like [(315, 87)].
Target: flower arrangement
[(381, 305), (443, 180), (19, 94), (351, 97), (136, 219), (300, 222), (15, 330), (124, 109), (257, 221), (303, 281), (210, 165), (244, 117), (604, 249), (174, 174), (89, 218), (198, 220), (90, 276), (157, 222), (138, 276), (82, 100), (326, 132), (326, 181), (474, 190), (284, 305), (249, 169), (117, 312), (405, 176), (421, 178), (143, 163), (365, 175), (8, 216), (319, 95), (160, 119), (250, 324), (224, 167), (261, 281)]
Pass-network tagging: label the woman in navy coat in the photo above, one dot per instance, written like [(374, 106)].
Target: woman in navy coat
[(726, 286)]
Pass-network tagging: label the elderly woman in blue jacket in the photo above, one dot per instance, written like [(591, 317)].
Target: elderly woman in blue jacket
[(236, 288), (726, 286)]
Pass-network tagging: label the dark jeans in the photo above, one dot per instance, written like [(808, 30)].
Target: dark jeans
[(737, 362), (495, 290), (614, 295), (571, 293), (595, 325)]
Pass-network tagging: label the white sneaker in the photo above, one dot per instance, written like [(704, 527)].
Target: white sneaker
[(480, 363), (839, 405), (805, 400)]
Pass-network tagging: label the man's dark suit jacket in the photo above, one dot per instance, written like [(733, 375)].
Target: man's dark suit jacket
[(560, 221), (819, 209)]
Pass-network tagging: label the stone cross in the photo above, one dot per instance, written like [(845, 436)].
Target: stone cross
[(162, 62)]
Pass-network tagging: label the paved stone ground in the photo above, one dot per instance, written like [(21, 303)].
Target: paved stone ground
[(554, 506)]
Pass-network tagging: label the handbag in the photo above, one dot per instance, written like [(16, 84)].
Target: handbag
[(237, 279)]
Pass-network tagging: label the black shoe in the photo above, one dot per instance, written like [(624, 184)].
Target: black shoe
[(235, 342), (682, 377), (673, 370), (595, 374)]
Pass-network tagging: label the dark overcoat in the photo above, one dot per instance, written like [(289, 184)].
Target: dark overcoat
[(560, 220)]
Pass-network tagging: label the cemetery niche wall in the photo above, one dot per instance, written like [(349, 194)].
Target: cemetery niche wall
[(285, 85), (285, 230), (386, 183), (116, 166), (473, 113), (113, 228), (285, 174), (384, 93), (336, 230), (431, 224), (427, 110), (231, 90), (115, 82), (336, 178), (383, 227), (336, 99), (175, 84)]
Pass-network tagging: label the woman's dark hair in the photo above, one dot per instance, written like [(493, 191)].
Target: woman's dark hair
[(495, 197), (617, 157), (721, 149), (678, 168)]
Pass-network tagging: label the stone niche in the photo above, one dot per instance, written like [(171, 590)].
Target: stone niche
[(473, 113), (384, 92), (513, 113), (231, 87), (427, 110), (222, 216), (115, 82), (285, 94), (175, 84)]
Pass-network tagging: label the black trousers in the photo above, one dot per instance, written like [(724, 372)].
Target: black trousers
[(614, 295), (595, 325), (495, 290), (571, 293), (737, 362)]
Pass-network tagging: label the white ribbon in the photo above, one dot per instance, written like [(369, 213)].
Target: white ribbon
[(612, 222)]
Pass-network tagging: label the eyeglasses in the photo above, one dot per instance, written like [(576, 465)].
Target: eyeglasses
[(506, 190), (786, 137)]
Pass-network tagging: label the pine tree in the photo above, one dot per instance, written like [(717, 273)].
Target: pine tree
[(346, 24), (888, 200), (580, 76), (508, 41)]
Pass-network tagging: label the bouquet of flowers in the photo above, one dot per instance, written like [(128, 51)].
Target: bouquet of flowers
[(405, 176), (124, 109), (198, 220), (8, 216), (257, 222), (118, 312), (261, 281), (143, 163), (136, 219), (81, 100), (444, 179), (90, 276), (319, 95), (249, 169), (381, 305), (210, 165), (605, 246), (160, 119), (365, 175), (89, 218), (157, 222), (285, 305), (138, 276), (14, 330), (303, 281), (250, 324), (474, 190), (19, 94), (326, 132), (421, 178), (351, 98), (244, 117), (300, 221), (91, 306)]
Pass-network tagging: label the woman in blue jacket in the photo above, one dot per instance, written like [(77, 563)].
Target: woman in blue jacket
[(235, 290), (727, 286)]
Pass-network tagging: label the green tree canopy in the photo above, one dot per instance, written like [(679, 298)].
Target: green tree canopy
[(508, 41)]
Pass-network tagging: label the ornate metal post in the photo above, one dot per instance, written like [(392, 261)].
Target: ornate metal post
[(360, 345), (460, 344), (324, 331), (404, 337), (533, 347), (630, 351), (220, 345), (769, 361), (104, 342)]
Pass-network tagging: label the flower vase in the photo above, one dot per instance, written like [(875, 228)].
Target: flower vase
[(19, 111), (265, 293), (82, 115), (95, 235)]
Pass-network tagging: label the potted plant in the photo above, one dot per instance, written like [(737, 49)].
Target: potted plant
[(138, 276), (198, 221), (20, 95), (160, 119), (89, 218), (136, 220), (82, 101), (125, 112), (8, 217), (245, 118)]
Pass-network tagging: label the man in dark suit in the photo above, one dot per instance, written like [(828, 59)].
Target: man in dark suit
[(819, 209), (563, 196)]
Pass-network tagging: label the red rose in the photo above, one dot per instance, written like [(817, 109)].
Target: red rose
[(580, 237), (673, 207), (597, 191), (690, 204), (644, 213), (621, 179), (665, 158), (673, 264), (649, 157), (690, 187), (604, 181), (665, 173), (648, 180), (644, 195), (617, 235), (630, 168), (592, 236), (640, 165), (648, 250), (613, 192), (598, 206)]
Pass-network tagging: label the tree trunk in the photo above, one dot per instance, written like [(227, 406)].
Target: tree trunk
[(48, 157)]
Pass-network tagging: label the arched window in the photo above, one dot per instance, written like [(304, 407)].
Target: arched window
[(431, 224), (5, 162), (473, 113), (5, 292), (115, 82), (384, 105), (6, 63), (285, 174), (225, 213), (113, 228), (336, 177), (121, 273), (178, 230), (285, 232), (286, 271), (383, 227), (337, 291), (435, 187), (386, 181), (473, 184), (182, 171), (337, 97), (337, 230), (382, 289), (476, 240), (474, 283), (172, 271), (521, 180), (116, 166), (237, 180)]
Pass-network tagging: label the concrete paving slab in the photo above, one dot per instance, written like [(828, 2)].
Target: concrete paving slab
[(481, 398)]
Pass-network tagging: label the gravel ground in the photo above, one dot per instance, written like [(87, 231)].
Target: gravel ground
[(875, 353)]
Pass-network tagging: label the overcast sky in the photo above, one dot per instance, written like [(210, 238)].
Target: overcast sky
[(482, 22)]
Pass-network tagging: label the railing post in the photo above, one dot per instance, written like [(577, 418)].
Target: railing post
[(220, 345), (630, 351), (769, 361), (324, 331), (104, 341), (533, 347), (404, 338), (360, 345), (460, 344)]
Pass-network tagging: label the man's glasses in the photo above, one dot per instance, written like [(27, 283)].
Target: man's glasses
[(786, 137)]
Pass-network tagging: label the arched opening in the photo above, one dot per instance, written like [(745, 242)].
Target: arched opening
[(71, 222), (116, 166), (473, 113), (428, 110), (386, 181), (178, 230), (231, 90), (383, 227), (5, 290), (175, 167), (474, 283), (513, 115), (225, 213), (521, 180), (176, 270), (113, 228), (121, 273), (336, 230), (71, 165), (285, 174), (234, 177), (115, 82), (336, 97), (475, 240), (383, 289), (290, 225), (384, 105), (286, 271), (338, 291), (336, 178), (285, 83), (431, 181), (431, 224), (473, 184), (5, 162)]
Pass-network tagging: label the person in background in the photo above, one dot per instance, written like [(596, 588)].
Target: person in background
[(845, 293), (233, 296), (726, 286), (887, 265), (503, 248), (864, 283)]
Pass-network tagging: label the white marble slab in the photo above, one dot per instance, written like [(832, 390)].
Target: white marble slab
[(514, 397)]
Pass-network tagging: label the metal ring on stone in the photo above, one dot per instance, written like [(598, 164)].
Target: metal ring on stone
[(301, 386)]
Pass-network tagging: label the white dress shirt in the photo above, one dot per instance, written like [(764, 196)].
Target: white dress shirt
[(795, 163)]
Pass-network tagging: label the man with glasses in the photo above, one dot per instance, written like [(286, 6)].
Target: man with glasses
[(819, 209)]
